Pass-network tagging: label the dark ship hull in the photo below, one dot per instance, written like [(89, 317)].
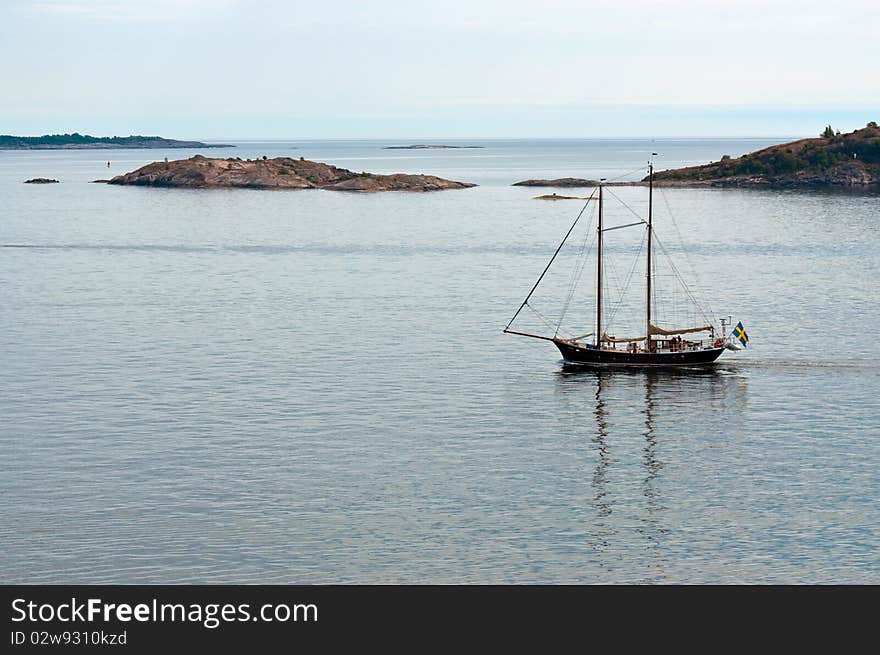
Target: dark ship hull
[(589, 355)]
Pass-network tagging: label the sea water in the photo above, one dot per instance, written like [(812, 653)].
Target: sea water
[(313, 387)]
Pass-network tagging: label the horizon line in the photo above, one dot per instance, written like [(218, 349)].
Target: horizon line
[(498, 138)]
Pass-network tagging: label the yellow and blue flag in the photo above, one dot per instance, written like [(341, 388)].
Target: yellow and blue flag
[(740, 333)]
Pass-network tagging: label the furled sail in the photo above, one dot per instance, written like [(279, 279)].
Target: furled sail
[(609, 339), (653, 329)]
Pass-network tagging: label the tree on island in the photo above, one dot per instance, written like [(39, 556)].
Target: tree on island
[(872, 124), (828, 133)]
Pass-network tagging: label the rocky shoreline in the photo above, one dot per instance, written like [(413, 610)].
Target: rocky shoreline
[(201, 172)]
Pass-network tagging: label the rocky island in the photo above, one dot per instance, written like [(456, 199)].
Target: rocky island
[(833, 160), (560, 182), (424, 146), (279, 173), (41, 180), (78, 141), (555, 196)]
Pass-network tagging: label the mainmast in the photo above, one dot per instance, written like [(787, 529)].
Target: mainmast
[(648, 274), (599, 274)]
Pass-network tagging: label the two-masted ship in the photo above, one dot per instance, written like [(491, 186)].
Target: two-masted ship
[(698, 345)]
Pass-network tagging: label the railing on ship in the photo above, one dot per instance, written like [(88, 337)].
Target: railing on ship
[(684, 345)]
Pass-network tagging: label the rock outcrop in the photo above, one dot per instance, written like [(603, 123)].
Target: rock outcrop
[(280, 173), (41, 180)]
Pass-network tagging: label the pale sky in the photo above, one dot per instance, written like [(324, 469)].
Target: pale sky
[(390, 68)]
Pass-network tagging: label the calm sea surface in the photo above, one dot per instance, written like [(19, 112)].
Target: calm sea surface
[(312, 386)]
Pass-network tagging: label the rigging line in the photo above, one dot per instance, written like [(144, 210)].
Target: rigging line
[(635, 170), (578, 271), (613, 279), (693, 270), (547, 268), (546, 320), (628, 279), (682, 282), (678, 276), (633, 211), (629, 314), (575, 284), (580, 264), (666, 296), (658, 287), (619, 289), (613, 276)]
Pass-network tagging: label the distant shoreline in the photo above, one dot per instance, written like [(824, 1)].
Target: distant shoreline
[(78, 141), (423, 146)]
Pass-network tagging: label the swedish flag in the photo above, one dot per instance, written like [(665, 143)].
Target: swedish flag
[(740, 333)]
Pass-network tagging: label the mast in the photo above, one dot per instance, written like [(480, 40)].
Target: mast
[(599, 273), (648, 274)]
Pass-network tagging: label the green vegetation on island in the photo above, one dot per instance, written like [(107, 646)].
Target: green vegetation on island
[(833, 160), (85, 141)]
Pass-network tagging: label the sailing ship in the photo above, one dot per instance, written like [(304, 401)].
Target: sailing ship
[(673, 347)]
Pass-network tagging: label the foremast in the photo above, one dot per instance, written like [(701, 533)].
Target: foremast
[(648, 343), (599, 273)]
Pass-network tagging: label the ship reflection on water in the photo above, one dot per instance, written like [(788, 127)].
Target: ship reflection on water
[(634, 425)]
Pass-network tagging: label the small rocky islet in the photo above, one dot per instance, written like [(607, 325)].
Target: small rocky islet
[(563, 182), (201, 172), (41, 180), (556, 196)]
